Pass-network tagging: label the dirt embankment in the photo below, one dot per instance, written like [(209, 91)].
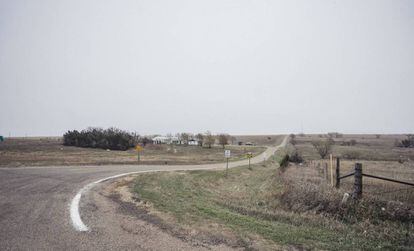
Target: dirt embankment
[(140, 220)]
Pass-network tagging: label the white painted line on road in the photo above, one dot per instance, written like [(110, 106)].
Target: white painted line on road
[(74, 205), (74, 214)]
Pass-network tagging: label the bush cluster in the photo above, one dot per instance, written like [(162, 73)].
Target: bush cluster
[(351, 155), (352, 142), (111, 138), (284, 162), (295, 157), (409, 142)]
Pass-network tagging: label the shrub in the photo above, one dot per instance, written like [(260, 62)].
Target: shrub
[(111, 138), (323, 147), (351, 155), (295, 157), (292, 139), (409, 142), (405, 143), (284, 162), (352, 142), (223, 139)]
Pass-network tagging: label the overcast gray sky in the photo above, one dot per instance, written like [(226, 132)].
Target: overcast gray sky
[(242, 67)]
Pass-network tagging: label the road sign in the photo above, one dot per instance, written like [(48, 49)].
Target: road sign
[(249, 156), (139, 148), (227, 153)]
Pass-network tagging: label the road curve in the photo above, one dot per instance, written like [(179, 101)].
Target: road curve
[(34, 203)]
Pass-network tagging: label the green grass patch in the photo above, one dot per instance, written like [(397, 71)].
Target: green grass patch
[(247, 203)]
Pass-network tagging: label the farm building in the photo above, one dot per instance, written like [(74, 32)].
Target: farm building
[(166, 140), (160, 140), (193, 142)]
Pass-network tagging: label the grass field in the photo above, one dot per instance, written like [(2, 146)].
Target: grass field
[(265, 208), (367, 147), (50, 151), (379, 156)]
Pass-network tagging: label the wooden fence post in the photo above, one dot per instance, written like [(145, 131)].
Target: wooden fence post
[(358, 181), (325, 170), (338, 175), (331, 169)]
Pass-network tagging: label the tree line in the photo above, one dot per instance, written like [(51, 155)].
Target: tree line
[(117, 139), (206, 139), (111, 138)]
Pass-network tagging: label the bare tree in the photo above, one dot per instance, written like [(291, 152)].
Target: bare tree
[(223, 139), (200, 138), (209, 139), (185, 137), (323, 147)]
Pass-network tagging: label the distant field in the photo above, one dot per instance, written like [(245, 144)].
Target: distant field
[(264, 140), (48, 151), (367, 147)]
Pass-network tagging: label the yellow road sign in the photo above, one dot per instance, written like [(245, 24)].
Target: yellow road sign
[(249, 155), (139, 148)]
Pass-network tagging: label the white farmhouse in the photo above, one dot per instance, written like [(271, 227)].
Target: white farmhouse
[(166, 140), (160, 140)]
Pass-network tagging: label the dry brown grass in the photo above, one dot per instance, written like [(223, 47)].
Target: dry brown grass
[(306, 189), (385, 207), (262, 140), (369, 147), (50, 151), (293, 209)]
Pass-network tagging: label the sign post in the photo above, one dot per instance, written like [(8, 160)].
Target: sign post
[(139, 149), (227, 156), (249, 156)]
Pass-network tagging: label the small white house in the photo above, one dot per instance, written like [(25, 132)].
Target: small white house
[(174, 140), (193, 142), (166, 140), (161, 140)]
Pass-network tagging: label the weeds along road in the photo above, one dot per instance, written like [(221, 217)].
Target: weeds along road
[(35, 202)]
